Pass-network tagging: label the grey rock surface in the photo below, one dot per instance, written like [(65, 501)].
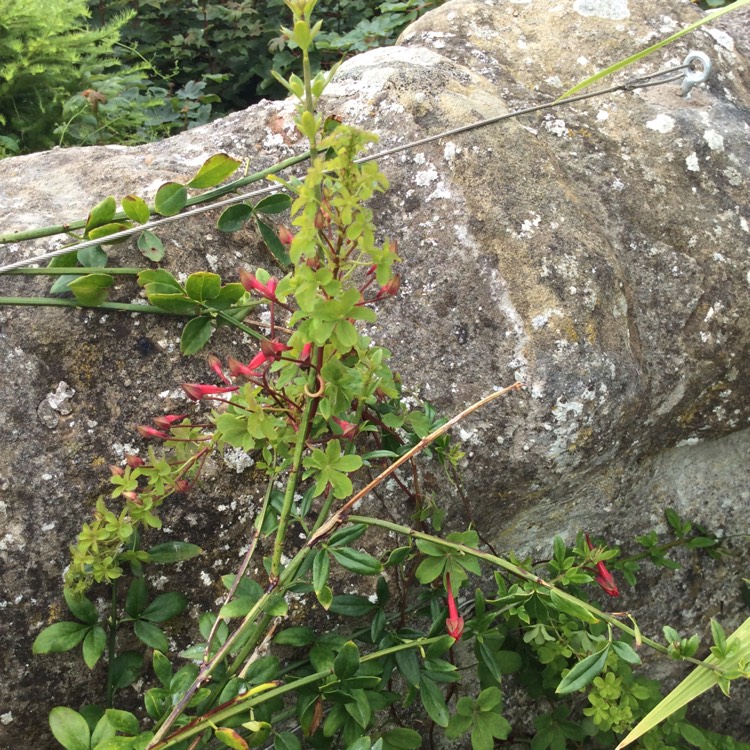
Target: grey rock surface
[(598, 252)]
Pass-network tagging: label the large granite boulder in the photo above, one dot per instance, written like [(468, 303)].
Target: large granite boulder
[(597, 252)]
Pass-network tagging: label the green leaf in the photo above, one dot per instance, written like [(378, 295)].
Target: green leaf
[(433, 701), (346, 663), (237, 607), (170, 199), (136, 598), (150, 246), (295, 636), (351, 605), (91, 290), (80, 607), (227, 296), (230, 738), (92, 257), (286, 741), (69, 728), (583, 672), (135, 208), (570, 606), (274, 244), (164, 607), (196, 334), (158, 276), (152, 636), (213, 171), (101, 213), (178, 304), (321, 568), (273, 204), (125, 669), (62, 636), (325, 597), (171, 552), (696, 683), (93, 645), (626, 652), (106, 229), (234, 218), (357, 561), (402, 738), (203, 286), (122, 721), (162, 668)]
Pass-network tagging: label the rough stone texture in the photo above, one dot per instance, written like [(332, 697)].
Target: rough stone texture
[(597, 252)]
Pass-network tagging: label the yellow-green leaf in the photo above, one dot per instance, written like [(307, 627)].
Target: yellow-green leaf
[(214, 170), (170, 199)]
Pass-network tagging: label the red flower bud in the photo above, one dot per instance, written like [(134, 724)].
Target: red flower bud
[(197, 391), (390, 289), (272, 349), (251, 283), (215, 364), (250, 369), (181, 485), (304, 355), (454, 624), (348, 430), (134, 497), (151, 432), (134, 461), (167, 420), (285, 236), (117, 471), (604, 578)]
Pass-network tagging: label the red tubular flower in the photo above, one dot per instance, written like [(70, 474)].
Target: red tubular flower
[(272, 349), (390, 289), (152, 432), (454, 624), (166, 421), (215, 364), (603, 577), (304, 355), (251, 283), (197, 391)]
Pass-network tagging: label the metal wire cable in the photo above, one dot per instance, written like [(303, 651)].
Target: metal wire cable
[(652, 79)]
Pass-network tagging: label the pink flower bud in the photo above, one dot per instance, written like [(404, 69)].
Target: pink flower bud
[(197, 391), (181, 485), (348, 430), (134, 497), (304, 355), (134, 461), (251, 283), (117, 471), (285, 236), (215, 364), (151, 432), (167, 420), (454, 624)]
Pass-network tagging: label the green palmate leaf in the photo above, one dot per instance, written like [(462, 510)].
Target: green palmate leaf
[(234, 218), (196, 334), (357, 561), (80, 607), (213, 171), (151, 246), (433, 701), (203, 286), (171, 552), (273, 243), (170, 199), (93, 645), (151, 635), (164, 607), (101, 213), (696, 683), (135, 208), (346, 663), (273, 204), (62, 636), (69, 728), (583, 672), (91, 290)]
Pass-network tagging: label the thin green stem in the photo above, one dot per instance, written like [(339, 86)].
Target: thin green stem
[(74, 271), (291, 484), (57, 302), (112, 646), (209, 195)]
